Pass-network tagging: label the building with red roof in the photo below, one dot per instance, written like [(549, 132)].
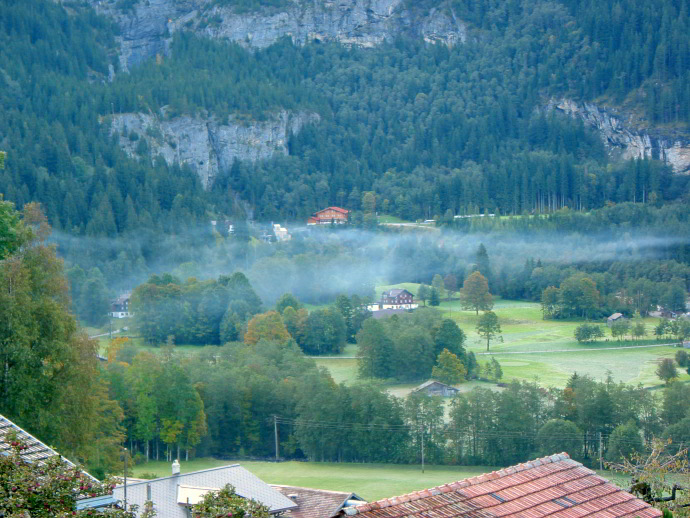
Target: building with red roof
[(554, 487), (335, 215)]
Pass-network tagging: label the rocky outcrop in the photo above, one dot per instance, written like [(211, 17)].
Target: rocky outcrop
[(626, 138), (205, 145), (146, 29)]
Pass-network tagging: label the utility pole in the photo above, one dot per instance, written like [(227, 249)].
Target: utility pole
[(125, 504), (422, 435), (275, 432), (601, 462)]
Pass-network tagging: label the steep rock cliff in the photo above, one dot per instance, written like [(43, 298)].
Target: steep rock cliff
[(204, 144), (147, 28), (626, 138)]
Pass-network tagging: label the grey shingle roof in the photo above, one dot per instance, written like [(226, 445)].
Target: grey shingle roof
[(164, 490), (36, 451)]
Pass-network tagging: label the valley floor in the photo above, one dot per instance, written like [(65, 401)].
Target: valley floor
[(370, 481), (538, 350)]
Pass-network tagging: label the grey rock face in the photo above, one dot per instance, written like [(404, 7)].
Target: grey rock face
[(628, 141), (147, 29), (205, 145)]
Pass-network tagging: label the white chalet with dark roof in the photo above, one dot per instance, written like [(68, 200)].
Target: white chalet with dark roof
[(119, 308), (398, 299)]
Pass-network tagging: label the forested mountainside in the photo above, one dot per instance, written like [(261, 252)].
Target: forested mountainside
[(522, 107)]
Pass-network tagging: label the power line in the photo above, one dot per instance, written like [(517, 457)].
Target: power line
[(386, 427)]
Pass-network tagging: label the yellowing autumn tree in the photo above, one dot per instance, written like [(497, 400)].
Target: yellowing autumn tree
[(267, 326), (475, 293)]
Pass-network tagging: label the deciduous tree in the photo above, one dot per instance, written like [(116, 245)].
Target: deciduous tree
[(560, 435), (620, 328), (449, 368), (450, 283), (667, 370), (449, 336), (266, 326), (423, 293), (437, 283), (488, 327), (375, 356), (475, 293), (287, 300)]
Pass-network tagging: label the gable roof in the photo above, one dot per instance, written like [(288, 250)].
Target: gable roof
[(429, 383), (36, 451), (164, 491), (122, 298), (337, 209), (317, 503), (395, 292), (554, 486), (615, 316)]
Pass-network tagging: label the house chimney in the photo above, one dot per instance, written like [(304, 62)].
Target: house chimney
[(293, 496), (175, 468)]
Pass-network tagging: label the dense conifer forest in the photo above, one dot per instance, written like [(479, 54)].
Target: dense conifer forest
[(428, 128), (407, 129)]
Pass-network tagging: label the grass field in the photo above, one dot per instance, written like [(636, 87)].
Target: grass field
[(532, 348), (369, 481), (385, 218)]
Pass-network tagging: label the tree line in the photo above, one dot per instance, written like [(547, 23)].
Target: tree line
[(248, 388), (51, 384)]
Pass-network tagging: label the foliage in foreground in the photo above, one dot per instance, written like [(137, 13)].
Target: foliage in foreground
[(46, 490), (52, 385), (225, 503), (660, 478)]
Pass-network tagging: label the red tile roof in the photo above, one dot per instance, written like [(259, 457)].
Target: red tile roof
[(554, 486), (316, 503), (337, 209)]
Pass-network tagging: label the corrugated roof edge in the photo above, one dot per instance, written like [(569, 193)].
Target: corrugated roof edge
[(446, 488), (21, 430), (182, 475)]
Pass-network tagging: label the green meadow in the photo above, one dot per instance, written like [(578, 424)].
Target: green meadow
[(370, 481), (531, 349), (538, 350)]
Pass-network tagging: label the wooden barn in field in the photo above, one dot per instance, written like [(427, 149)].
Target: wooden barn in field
[(616, 317), (436, 388)]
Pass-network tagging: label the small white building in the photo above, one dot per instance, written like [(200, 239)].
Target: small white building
[(281, 233)]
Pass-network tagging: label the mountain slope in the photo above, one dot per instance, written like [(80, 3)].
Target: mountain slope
[(459, 126)]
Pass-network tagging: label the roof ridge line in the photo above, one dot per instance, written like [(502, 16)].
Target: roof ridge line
[(454, 486), (312, 489), (180, 475)]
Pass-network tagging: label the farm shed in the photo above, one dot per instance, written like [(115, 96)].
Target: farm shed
[(436, 388), (616, 317)]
